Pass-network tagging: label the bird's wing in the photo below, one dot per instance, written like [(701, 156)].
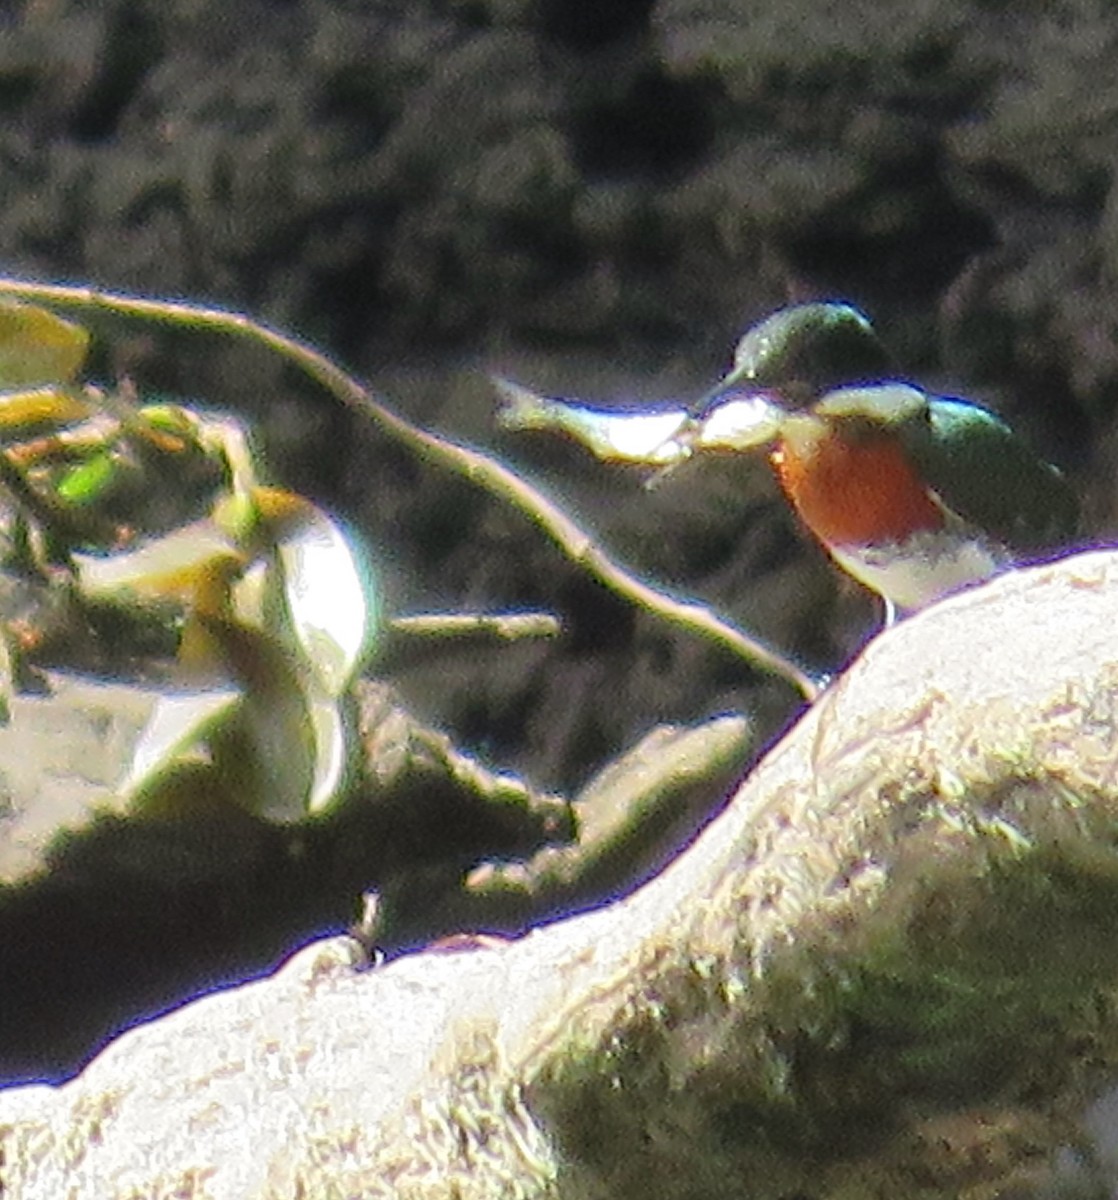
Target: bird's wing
[(982, 471)]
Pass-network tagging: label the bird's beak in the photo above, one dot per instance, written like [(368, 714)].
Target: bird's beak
[(736, 378)]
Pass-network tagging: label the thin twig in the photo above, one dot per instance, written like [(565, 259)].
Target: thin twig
[(487, 473), (508, 626)]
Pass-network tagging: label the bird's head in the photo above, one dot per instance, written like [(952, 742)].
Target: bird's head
[(789, 364), (802, 352)]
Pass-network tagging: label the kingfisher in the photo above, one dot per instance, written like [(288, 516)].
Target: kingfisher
[(913, 494)]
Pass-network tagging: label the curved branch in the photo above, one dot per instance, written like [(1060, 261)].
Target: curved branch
[(482, 470)]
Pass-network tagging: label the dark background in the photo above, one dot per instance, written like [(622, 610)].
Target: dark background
[(595, 198)]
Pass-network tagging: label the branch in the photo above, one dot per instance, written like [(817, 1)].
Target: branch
[(507, 626), (488, 474)]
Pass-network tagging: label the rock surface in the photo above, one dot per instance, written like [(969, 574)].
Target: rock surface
[(885, 968)]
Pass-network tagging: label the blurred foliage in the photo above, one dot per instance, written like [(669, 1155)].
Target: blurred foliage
[(160, 509), (252, 610)]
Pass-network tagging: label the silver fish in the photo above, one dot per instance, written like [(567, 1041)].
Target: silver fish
[(657, 437)]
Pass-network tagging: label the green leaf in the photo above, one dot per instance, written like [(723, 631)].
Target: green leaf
[(237, 515), (171, 419), (38, 347), (84, 483)]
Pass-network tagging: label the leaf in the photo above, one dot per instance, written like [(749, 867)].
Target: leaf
[(171, 419), (267, 752), (237, 515), (227, 437), (171, 567), (276, 748), (250, 597), (84, 483), (331, 753), (329, 598), (275, 752), (179, 722), (38, 347), (36, 406)]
